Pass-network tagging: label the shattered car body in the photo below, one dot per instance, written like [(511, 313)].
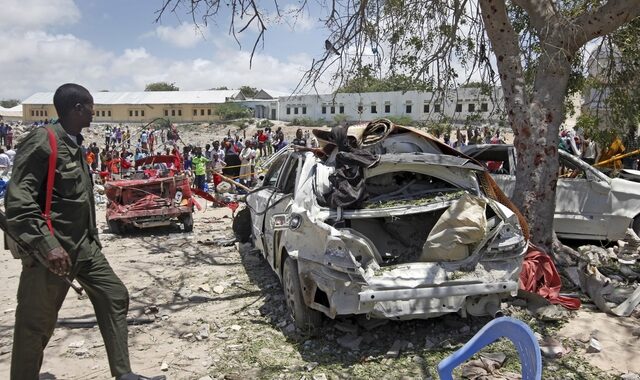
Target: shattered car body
[(154, 197), (589, 204), (382, 257)]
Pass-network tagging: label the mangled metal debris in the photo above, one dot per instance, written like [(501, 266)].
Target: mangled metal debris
[(356, 227)]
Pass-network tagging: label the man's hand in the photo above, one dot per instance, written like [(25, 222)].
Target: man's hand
[(59, 261)]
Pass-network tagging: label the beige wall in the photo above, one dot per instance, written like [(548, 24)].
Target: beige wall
[(132, 113)]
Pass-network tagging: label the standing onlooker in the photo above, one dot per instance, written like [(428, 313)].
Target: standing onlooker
[(3, 133), (299, 140), (8, 137), (247, 156), (199, 163), (5, 162), (590, 151), (262, 140), (107, 136), (144, 141)]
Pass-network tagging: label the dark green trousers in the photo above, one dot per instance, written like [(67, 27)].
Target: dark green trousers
[(40, 296)]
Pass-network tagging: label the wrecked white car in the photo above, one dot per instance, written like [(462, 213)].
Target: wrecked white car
[(389, 223), (589, 204)]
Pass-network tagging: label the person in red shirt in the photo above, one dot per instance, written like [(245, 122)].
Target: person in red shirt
[(262, 139)]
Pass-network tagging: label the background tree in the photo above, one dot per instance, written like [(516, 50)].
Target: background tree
[(219, 88), (248, 91), (9, 103), (531, 48), (161, 86)]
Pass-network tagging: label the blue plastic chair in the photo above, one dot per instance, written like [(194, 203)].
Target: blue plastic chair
[(517, 331)]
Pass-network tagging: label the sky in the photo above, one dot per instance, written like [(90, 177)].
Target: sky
[(117, 45)]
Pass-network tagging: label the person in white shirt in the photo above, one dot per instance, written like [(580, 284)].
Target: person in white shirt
[(11, 153), (247, 156)]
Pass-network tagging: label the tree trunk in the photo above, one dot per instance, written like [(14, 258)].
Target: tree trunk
[(535, 117), (536, 144)]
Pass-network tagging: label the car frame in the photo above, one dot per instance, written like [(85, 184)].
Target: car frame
[(328, 261), (589, 204)]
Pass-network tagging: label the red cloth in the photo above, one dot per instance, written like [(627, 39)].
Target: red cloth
[(539, 275)]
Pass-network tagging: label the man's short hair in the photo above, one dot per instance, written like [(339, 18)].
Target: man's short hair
[(68, 95)]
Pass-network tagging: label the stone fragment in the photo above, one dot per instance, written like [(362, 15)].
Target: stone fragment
[(203, 332), (164, 366), (346, 327), (218, 289), (205, 288), (320, 376), (350, 341)]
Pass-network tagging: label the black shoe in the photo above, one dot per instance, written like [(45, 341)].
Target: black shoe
[(133, 376)]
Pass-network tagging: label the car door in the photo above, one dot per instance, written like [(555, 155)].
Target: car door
[(279, 205), (260, 199), (582, 201)]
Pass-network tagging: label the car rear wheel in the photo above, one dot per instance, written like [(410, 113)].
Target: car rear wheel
[(242, 225), (304, 318), (115, 227), (187, 222)]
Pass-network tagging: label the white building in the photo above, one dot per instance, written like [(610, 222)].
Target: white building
[(458, 106)]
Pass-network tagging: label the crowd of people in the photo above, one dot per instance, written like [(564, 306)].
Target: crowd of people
[(233, 156)]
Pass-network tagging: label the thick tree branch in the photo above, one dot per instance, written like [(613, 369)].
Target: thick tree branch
[(540, 12), (604, 20)]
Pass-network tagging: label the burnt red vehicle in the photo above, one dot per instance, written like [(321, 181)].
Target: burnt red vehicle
[(155, 195)]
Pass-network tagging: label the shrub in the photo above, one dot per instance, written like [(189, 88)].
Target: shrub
[(230, 110)]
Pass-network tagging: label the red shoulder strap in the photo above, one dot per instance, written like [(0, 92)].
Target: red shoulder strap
[(53, 143)]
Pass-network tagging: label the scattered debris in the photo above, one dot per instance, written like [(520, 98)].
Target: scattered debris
[(346, 327), (551, 347), (481, 368), (205, 288), (203, 332), (394, 351), (350, 341), (594, 346), (164, 366), (596, 286)]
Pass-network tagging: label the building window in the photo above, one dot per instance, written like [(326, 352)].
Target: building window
[(142, 113), (109, 113), (484, 107), (324, 109), (341, 108), (333, 109), (295, 110), (173, 112), (407, 108), (202, 112), (374, 108), (360, 108), (209, 111), (459, 107), (46, 113), (425, 108), (166, 112), (387, 108), (130, 113), (179, 112), (436, 108), (304, 110), (195, 112), (136, 112), (472, 107), (288, 111)]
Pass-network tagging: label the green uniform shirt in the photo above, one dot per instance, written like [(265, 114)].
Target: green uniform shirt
[(199, 165), (72, 207)]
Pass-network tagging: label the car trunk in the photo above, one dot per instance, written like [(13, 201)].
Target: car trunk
[(403, 207)]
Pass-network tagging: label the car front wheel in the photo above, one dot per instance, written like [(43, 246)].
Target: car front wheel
[(305, 318)]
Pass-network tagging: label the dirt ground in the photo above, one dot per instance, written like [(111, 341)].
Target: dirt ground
[(210, 310), (202, 309)]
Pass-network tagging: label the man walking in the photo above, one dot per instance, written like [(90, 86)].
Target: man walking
[(71, 247)]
